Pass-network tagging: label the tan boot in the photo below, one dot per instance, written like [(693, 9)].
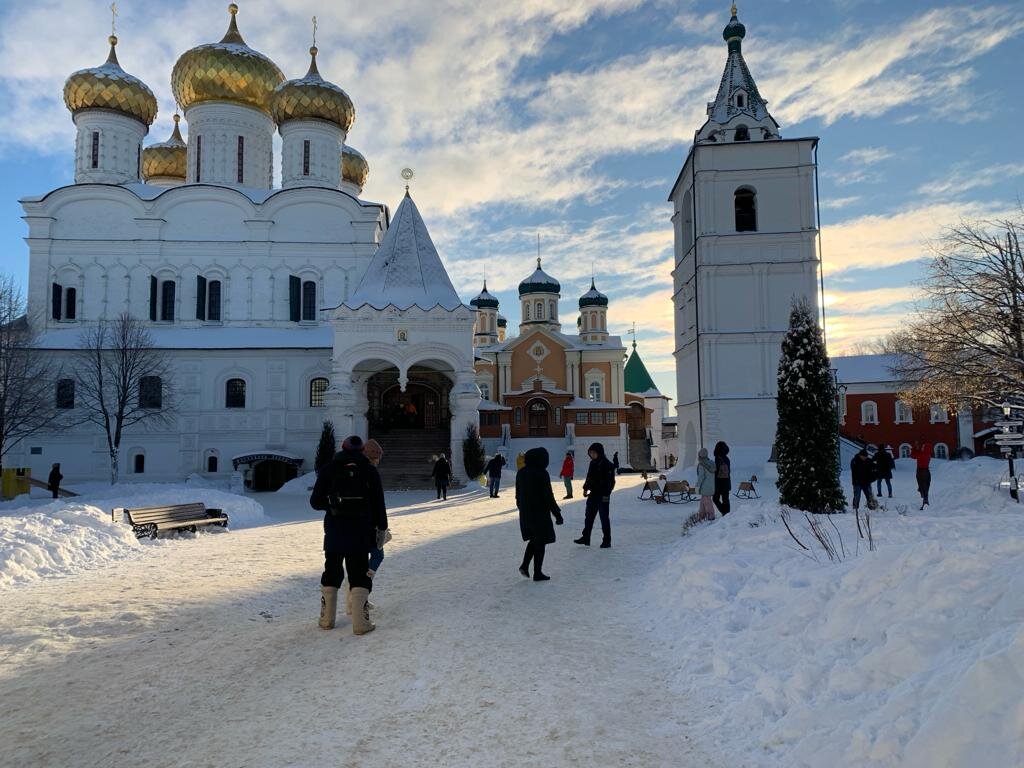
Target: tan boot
[(361, 623), (328, 606)]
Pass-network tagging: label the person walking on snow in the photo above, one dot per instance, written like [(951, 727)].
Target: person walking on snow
[(537, 506), (349, 491), (884, 465), (705, 485), (921, 452), (494, 467), (723, 478), (615, 461), (53, 481), (597, 489), (442, 475), (568, 469), (374, 452), (862, 473)]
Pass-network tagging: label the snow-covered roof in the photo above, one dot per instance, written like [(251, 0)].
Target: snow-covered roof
[(591, 405), (490, 405), (301, 337), (857, 369), (573, 343), (539, 282), (485, 299), (593, 297), (543, 390), (406, 271)]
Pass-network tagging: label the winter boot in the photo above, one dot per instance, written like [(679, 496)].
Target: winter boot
[(606, 544), (524, 570), (361, 623), (538, 576), (582, 540), (328, 606)]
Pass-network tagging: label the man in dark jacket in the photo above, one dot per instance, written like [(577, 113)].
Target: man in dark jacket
[(494, 467), (597, 489), (862, 473), (349, 490), (536, 504), (442, 474), (53, 481)]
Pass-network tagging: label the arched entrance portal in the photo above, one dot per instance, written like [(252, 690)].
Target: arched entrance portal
[(271, 474), (540, 416), (424, 405), (637, 422)]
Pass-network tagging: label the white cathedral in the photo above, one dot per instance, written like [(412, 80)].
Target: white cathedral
[(281, 307)]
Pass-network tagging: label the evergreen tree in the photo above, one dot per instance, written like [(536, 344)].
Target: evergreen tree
[(807, 438), (474, 457), (327, 447)]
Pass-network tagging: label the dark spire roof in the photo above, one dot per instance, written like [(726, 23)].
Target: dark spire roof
[(484, 299), (637, 379), (539, 282), (593, 297)]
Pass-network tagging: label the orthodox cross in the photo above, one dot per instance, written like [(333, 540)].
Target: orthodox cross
[(113, 19), (540, 373), (632, 332), (314, 31)]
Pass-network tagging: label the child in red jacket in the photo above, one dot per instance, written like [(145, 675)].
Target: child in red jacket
[(921, 452)]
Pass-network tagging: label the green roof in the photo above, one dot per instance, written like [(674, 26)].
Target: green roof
[(638, 380)]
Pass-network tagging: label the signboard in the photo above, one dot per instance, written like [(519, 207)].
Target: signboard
[(1010, 423)]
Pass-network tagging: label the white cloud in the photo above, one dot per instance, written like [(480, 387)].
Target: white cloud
[(867, 156), (836, 203), (964, 178)]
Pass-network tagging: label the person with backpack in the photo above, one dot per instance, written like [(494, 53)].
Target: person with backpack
[(568, 469), (536, 504), (597, 489), (442, 475), (494, 468), (884, 465), (723, 478), (349, 491), (862, 473)]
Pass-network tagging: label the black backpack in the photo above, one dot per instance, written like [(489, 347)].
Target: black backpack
[(349, 495)]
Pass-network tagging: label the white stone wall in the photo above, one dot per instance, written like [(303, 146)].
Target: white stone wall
[(325, 142), (120, 147), (219, 125)]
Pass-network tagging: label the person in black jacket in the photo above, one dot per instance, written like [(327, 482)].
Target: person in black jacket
[(536, 503), (884, 465), (349, 491), (862, 473), (598, 491), (494, 467), (53, 481), (442, 474), (723, 478)]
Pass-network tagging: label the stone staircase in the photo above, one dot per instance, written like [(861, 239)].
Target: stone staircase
[(640, 455), (406, 463)]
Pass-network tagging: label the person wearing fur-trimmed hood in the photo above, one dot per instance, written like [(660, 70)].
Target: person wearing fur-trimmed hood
[(536, 503)]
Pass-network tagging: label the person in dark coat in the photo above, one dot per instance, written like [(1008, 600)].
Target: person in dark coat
[(884, 465), (536, 504), (349, 491), (53, 481), (494, 467), (597, 489), (723, 478), (442, 475), (862, 473), (615, 462)]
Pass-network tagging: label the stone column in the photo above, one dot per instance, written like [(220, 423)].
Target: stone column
[(464, 400)]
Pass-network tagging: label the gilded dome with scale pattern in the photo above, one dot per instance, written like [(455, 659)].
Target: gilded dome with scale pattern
[(354, 168), (166, 159), (226, 71), (110, 87), (312, 97)]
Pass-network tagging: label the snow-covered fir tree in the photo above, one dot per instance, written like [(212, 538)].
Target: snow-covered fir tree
[(327, 446), (807, 438)]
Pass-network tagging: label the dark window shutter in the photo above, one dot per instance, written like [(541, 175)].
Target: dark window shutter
[(200, 297), (152, 298), (295, 298), (56, 294)]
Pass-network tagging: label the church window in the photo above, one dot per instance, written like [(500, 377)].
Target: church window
[(56, 297), (309, 300), (868, 412), (167, 301), (582, 417), (139, 463), (65, 394), (485, 390), (199, 159), (151, 392), (518, 416), (941, 451), (905, 449), (558, 417), (611, 417), (211, 463), (317, 391), (551, 310), (904, 413), (305, 157), (594, 390), (742, 133), (539, 307), (213, 301), (740, 101), (241, 159), (939, 415), (746, 209), (95, 149), (490, 323), (234, 393), (526, 310), (70, 303)]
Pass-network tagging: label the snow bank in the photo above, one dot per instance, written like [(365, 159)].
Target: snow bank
[(299, 486), (912, 655)]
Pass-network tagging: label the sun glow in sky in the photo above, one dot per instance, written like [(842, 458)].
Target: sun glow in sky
[(571, 118)]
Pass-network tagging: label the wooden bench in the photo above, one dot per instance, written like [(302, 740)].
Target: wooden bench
[(651, 490), (149, 521), (747, 490), (681, 489)]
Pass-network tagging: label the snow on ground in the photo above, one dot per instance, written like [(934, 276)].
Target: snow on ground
[(726, 647)]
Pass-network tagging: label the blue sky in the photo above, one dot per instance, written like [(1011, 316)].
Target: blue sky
[(571, 118)]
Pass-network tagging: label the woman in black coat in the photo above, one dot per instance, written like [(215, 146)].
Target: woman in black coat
[(884, 465), (536, 503), (442, 475)]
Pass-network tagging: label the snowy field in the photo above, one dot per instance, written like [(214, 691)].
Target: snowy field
[(727, 647)]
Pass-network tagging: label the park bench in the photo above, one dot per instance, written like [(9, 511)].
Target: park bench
[(651, 490), (682, 491), (150, 521), (747, 490)]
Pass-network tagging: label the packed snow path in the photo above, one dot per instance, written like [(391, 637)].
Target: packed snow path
[(206, 651)]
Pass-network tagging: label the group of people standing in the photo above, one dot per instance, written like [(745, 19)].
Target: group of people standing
[(866, 470), (714, 481)]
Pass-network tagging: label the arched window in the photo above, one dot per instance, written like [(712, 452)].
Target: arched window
[(211, 463), (742, 133), (213, 301), (938, 414), (526, 310), (167, 301), (317, 388), (66, 393), (740, 101), (869, 412), (139, 463), (485, 390), (941, 451), (745, 201), (904, 413), (70, 303), (905, 449), (151, 392), (234, 393), (309, 300), (539, 307), (552, 313), (594, 390)]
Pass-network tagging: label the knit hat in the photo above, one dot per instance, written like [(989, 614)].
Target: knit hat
[(353, 443)]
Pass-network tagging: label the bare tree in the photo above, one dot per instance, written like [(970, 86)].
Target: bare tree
[(27, 374), (122, 381), (966, 345)]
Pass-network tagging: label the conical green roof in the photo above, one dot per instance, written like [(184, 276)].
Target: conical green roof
[(638, 379)]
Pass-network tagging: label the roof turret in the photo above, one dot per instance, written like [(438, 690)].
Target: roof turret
[(484, 299), (110, 87), (312, 98), (539, 282), (593, 297), (636, 377)]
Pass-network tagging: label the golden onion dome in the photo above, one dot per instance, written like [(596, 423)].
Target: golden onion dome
[(354, 168), (110, 87), (166, 159), (226, 71), (312, 97)]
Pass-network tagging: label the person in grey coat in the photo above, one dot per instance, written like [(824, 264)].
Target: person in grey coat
[(705, 485)]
